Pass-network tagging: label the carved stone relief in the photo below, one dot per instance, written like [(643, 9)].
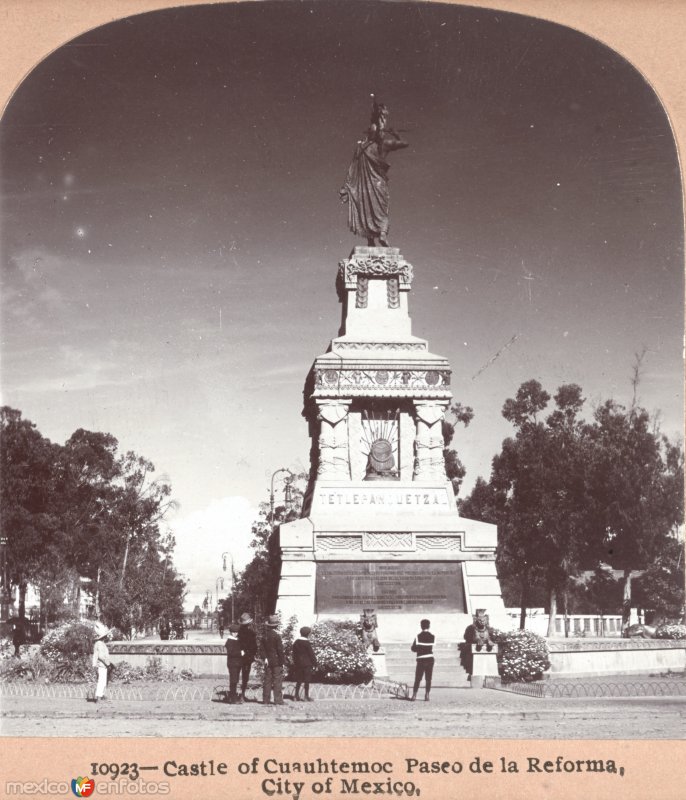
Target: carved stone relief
[(429, 463), (334, 459)]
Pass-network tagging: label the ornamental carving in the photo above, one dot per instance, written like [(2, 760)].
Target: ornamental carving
[(339, 543), (356, 379), (429, 461), (334, 459), (431, 543), (362, 293), (385, 542), (341, 346), (152, 649), (393, 292), (375, 265)]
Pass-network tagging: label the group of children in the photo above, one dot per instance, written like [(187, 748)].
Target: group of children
[(241, 649)]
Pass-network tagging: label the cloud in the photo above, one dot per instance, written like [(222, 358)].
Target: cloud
[(29, 289), (201, 538), (67, 368)]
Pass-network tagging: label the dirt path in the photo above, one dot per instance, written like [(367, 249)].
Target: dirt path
[(451, 713)]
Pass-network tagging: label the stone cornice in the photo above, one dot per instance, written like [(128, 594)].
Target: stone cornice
[(375, 262), (379, 381)]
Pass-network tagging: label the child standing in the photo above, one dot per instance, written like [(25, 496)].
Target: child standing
[(101, 660), (423, 646), (304, 662), (248, 639), (234, 661)]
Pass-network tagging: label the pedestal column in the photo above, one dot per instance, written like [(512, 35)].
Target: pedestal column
[(429, 464), (334, 453)]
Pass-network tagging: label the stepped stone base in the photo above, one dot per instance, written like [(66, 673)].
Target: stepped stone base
[(448, 672)]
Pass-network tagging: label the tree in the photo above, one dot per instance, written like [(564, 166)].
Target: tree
[(659, 590), (635, 491), (256, 588), (535, 493), (454, 469), (27, 494), (88, 472), (82, 512)]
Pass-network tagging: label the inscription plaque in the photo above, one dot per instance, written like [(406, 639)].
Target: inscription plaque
[(422, 498), (344, 587)]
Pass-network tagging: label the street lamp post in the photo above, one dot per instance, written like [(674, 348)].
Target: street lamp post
[(287, 491), (219, 584), (207, 605), (5, 593), (233, 577)]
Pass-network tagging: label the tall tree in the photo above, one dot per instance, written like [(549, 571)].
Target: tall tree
[(83, 512), (535, 493), (256, 588), (636, 491), (660, 589), (27, 510)]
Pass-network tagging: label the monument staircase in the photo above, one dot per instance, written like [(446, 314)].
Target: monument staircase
[(448, 672)]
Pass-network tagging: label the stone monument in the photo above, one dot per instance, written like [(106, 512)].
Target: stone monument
[(380, 527)]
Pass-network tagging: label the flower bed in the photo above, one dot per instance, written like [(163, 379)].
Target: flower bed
[(522, 655), (671, 631)]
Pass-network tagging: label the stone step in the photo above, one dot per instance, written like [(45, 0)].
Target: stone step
[(448, 672)]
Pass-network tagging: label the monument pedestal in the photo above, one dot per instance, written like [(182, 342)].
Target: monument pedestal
[(484, 664), (383, 533), (379, 662)]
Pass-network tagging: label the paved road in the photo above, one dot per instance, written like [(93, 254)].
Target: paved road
[(486, 714)]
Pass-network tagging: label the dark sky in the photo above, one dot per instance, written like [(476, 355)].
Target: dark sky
[(172, 228)]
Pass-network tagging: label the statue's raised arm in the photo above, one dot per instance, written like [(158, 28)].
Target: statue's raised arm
[(366, 184)]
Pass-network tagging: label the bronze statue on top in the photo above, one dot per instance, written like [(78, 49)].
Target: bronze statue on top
[(366, 185)]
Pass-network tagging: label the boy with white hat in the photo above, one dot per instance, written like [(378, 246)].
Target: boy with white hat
[(101, 659)]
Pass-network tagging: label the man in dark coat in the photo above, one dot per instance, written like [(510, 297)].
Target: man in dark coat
[(248, 639), (304, 662), (272, 652), (423, 646), (234, 662)]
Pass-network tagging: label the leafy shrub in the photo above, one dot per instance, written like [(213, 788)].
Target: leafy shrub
[(522, 655), (123, 672), (671, 631), (341, 655), (31, 668), (69, 649), (153, 671), (69, 640)]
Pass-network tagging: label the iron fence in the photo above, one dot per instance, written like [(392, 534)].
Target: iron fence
[(378, 690), (592, 688)]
